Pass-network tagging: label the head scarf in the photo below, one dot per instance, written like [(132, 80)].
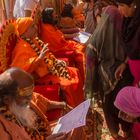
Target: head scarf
[(23, 24), (128, 101)]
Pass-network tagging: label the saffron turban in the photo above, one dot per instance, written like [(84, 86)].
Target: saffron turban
[(23, 24)]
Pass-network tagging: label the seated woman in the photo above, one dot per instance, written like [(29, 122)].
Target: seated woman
[(127, 101), (32, 55), (55, 38)]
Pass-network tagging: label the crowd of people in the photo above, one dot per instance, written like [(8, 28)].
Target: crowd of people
[(105, 68)]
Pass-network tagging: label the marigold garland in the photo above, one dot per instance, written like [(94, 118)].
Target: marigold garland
[(55, 66)]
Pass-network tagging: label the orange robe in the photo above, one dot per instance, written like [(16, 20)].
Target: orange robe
[(78, 16), (57, 43), (9, 130), (24, 57), (67, 22)]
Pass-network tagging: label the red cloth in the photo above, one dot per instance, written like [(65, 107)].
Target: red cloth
[(66, 54), (134, 66), (136, 131)]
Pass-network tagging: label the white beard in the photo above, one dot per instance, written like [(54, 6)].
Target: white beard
[(24, 114)]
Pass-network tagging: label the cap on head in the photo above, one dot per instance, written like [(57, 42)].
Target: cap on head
[(23, 24)]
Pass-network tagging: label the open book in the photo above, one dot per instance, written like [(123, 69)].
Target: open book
[(82, 37), (75, 118)]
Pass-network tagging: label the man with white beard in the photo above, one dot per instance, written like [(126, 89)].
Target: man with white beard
[(22, 111)]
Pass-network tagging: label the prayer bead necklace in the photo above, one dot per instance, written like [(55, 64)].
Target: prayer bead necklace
[(55, 66)]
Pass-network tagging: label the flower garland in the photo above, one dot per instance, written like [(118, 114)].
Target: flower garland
[(55, 66)]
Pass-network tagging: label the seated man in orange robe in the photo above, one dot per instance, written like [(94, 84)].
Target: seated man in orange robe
[(21, 115), (57, 42), (32, 55), (67, 23), (67, 20)]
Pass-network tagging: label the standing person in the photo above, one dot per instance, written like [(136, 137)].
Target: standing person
[(23, 8), (103, 55), (127, 101), (131, 34), (93, 11), (56, 39)]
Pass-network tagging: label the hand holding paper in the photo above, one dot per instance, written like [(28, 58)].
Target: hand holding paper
[(75, 118)]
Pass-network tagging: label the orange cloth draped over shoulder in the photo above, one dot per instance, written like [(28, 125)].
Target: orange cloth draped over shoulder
[(24, 57), (57, 42), (9, 129)]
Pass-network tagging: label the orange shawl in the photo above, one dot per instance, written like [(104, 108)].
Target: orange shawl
[(57, 42), (24, 57)]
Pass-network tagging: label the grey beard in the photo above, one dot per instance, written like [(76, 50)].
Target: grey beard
[(24, 114)]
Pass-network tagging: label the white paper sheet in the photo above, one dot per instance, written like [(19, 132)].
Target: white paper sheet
[(75, 118), (82, 37)]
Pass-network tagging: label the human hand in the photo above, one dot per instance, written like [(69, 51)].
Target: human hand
[(43, 51), (66, 108), (138, 85), (59, 136), (79, 24), (119, 71)]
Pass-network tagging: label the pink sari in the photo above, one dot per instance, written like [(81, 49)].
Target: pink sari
[(136, 131), (135, 70)]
